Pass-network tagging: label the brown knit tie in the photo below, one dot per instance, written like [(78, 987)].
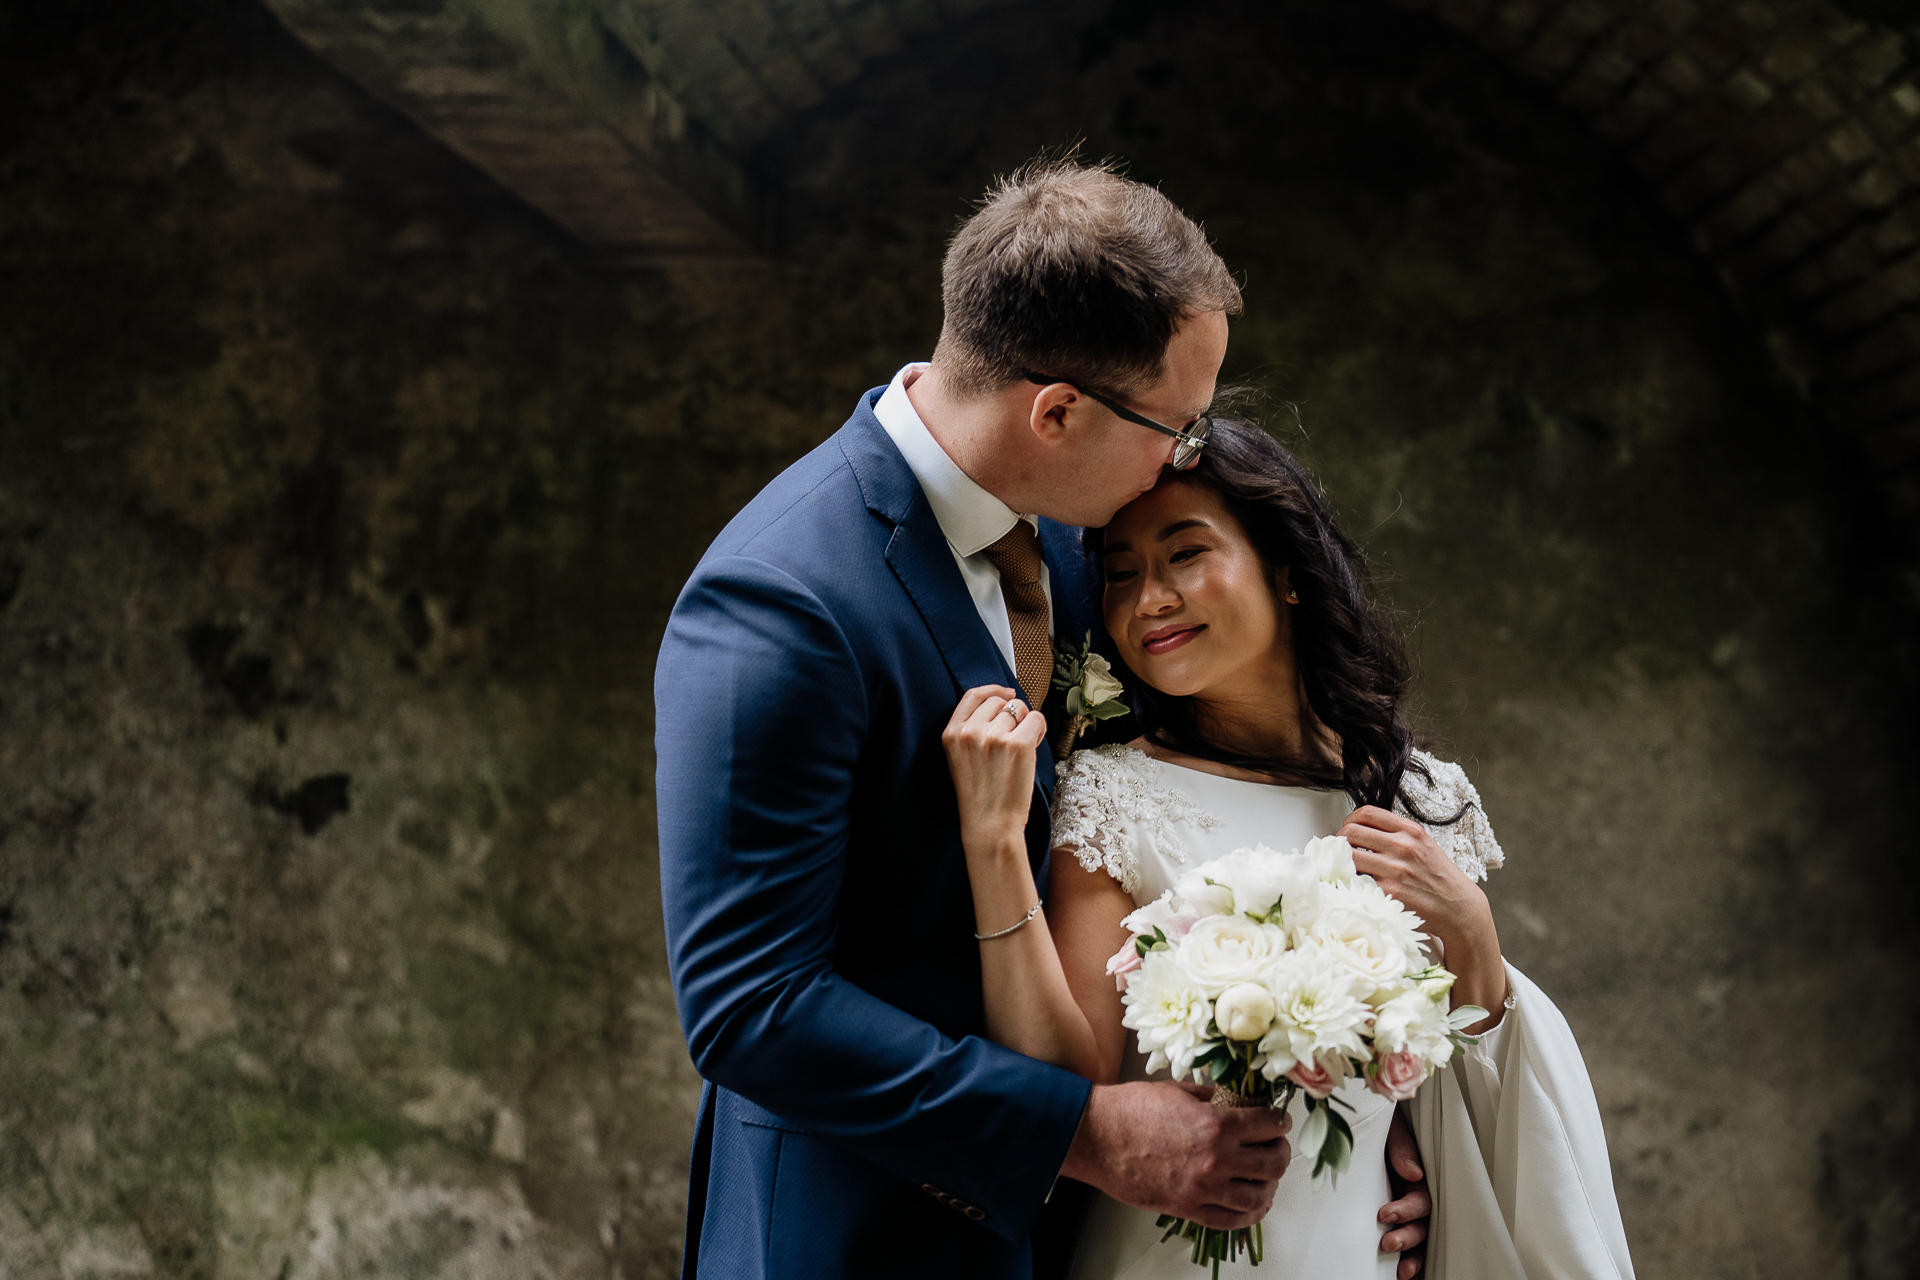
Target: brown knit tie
[(1017, 557)]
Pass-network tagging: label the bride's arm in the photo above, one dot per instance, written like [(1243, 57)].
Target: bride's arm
[(1086, 911), (1400, 854), (1043, 981)]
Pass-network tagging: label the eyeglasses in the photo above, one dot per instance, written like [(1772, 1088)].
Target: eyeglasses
[(1191, 440)]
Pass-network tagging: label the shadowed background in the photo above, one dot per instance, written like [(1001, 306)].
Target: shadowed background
[(344, 492)]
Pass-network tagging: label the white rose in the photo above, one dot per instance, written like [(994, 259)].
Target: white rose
[(1413, 1022), (1365, 898), (1097, 681), (1330, 860), (1165, 913), (1303, 905), (1168, 1012), (1222, 950), (1435, 984), (1259, 877), (1208, 899), (1244, 1011), (1316, 1013), (1372, 946)]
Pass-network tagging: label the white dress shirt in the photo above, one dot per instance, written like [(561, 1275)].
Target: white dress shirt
[(970, 517)]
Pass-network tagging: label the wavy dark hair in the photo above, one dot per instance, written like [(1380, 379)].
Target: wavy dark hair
[(1346, 646)]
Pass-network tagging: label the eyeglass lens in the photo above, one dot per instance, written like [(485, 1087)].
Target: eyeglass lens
[(1185, 453)]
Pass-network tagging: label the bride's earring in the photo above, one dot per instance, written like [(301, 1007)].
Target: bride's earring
[(1292, 598)]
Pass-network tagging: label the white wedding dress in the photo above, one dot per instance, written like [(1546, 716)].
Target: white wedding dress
[(1510, 1133)]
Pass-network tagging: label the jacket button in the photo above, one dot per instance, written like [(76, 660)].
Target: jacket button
[(976, 1213), (931, 1190)]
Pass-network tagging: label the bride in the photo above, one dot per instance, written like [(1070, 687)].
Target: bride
[(1268, 686)]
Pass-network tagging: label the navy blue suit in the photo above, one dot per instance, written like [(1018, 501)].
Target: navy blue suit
[(855, 1122)]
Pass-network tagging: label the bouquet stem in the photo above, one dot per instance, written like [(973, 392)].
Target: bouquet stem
[(1210, 1244)]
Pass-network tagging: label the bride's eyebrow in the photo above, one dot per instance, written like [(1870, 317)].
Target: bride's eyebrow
[(1178, 525)]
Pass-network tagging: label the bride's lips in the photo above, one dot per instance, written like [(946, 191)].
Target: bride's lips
[(1167, 639)]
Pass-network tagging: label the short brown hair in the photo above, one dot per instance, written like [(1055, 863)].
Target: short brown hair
[(1072, 270)]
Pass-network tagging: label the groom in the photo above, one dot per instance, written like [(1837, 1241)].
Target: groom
[(856, 1121)]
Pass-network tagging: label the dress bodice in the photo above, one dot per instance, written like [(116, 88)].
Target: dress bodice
[(1146, 823)]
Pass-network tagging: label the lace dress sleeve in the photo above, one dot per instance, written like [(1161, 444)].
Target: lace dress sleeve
[(1108, 797), (1088, 820), (1470, 841)]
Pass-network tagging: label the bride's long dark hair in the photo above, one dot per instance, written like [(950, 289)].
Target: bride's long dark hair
[(1346, 647)]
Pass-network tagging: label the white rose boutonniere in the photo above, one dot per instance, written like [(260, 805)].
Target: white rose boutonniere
[(1093, 691)]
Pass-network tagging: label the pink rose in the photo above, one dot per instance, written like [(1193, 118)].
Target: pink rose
[(1399, 1076), (1181, 924), (1314, 1078), (1124, 962)]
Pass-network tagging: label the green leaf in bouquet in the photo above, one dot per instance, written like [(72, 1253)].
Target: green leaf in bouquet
[(1313, 1134), (1335, 1153), (1108, 710), (1270, 916), (1344, 1131), (1077, 702), (1465, 1016)]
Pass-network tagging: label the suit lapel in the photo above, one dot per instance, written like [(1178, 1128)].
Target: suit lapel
[(921, 558), (919, 555)]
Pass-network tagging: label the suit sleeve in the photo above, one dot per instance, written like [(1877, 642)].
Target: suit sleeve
[(760, 719)]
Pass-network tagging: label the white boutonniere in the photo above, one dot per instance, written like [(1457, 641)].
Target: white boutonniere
[(1093, 691)]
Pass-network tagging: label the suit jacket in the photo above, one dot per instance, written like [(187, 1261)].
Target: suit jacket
[(856, 1121)]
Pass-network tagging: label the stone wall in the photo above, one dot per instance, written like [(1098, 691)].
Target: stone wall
[(342, 499), (1786, 136)]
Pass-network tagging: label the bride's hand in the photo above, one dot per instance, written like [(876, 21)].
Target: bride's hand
[(1403, 859), (991, 743)]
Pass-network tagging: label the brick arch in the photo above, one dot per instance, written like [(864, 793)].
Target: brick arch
[(1786, 135)]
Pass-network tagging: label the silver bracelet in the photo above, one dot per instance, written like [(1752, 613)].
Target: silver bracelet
[(1010, 928)]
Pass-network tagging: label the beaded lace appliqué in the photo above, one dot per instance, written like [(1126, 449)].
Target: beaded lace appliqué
[(1099, 790), (1469, 842)]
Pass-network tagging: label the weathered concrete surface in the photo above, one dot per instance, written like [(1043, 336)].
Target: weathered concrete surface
[(341, 503), (551, 103)]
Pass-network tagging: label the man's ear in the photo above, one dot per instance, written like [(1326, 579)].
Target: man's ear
[(1051, 409)]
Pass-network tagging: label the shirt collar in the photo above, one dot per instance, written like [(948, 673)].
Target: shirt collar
[(971, 518)]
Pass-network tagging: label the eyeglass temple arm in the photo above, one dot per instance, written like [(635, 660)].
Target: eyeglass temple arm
[(1121, 411)]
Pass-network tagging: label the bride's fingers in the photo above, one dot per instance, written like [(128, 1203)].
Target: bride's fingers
[(1372, 838), (1369, 815), (971, 700), (991, 707), (1385, 871)]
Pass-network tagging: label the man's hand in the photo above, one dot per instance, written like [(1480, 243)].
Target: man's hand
[(1164, 1148), (1413, 1205)]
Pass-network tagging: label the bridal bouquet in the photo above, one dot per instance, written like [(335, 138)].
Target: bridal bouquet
[(1272, 974)]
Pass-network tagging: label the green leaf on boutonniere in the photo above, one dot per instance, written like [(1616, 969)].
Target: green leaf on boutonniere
[(1087, 678)]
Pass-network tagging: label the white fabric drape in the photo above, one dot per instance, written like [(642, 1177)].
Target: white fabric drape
[(1510, 1134)]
